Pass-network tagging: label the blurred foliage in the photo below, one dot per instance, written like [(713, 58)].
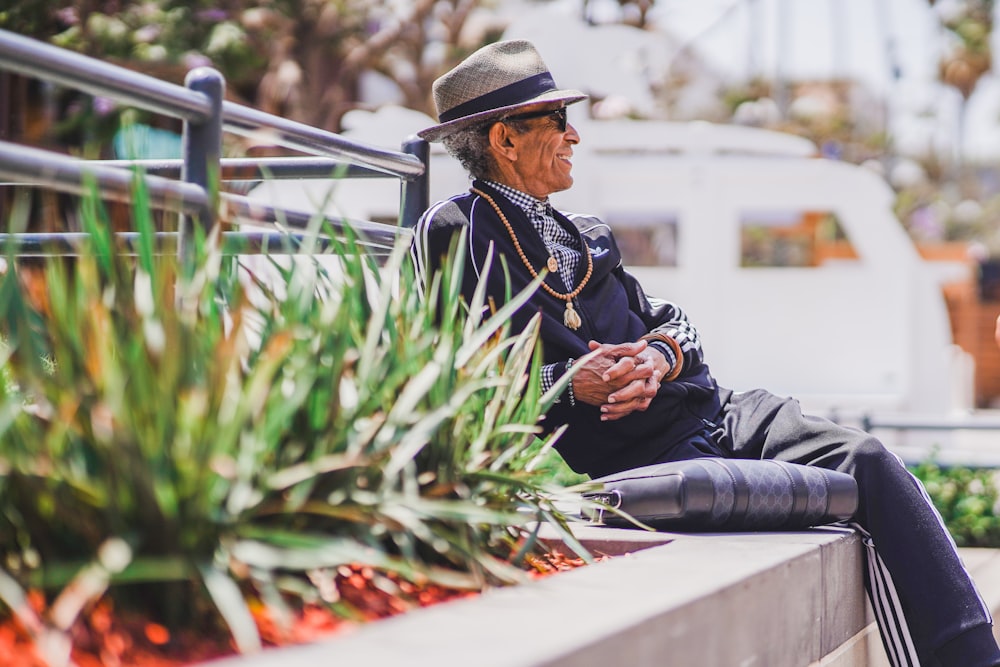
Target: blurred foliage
[(149, 34), (553, 468), (968, 501), (940, 195), (189, 443), (967, 56), (302, 59)]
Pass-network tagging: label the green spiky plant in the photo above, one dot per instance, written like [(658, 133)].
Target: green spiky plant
[(186, 442)]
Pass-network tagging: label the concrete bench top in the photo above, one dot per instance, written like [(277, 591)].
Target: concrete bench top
[(776, 599)]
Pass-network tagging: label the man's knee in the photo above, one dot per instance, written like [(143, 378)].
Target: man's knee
[(869, 457)]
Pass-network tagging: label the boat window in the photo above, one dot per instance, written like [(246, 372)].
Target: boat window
[(645, 239), (793, 238)]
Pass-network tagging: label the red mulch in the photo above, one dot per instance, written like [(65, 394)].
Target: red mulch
[(102, 638)]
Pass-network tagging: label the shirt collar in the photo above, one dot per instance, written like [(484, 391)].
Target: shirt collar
[(529, 204)]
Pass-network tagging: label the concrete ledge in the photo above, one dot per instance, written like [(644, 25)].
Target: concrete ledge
[(767, 599)]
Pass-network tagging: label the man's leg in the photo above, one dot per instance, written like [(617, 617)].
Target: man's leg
[(928, 608)]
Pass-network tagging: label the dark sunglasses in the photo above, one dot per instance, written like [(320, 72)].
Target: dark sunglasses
[(558, 115)]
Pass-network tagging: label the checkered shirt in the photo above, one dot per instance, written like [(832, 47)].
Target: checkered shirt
[(560, 243)]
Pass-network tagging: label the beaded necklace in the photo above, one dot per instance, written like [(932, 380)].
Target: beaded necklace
[(571, 318)]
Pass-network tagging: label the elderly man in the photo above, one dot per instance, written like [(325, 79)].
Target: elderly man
[(646, 395)]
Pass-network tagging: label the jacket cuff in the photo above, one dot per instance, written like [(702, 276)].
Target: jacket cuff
[(671, 351), (551, 373)]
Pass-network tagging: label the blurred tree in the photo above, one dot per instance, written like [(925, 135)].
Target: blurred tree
[(299, 58), (633, 12), (967, 57)]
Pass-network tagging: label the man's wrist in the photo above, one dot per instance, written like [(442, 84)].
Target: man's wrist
[(551, 374), (671, 351)]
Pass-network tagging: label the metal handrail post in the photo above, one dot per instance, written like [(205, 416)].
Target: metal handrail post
[(415, 196), (201, 144)]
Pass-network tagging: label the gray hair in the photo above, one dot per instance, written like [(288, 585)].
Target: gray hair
[(471, 147)]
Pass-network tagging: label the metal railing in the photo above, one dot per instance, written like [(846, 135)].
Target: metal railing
[(968, 422), (184, 185), (971, 436)]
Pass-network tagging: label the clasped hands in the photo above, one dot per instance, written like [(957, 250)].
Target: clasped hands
[(621, 379)]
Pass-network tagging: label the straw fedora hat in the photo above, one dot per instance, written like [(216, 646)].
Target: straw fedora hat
[(490, 83)]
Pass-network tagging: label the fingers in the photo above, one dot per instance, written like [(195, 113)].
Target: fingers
[(661, 368), (620, 370), (637, 396), (614, 411), (618, 350), (637, 389), (620, 378), (635, 365), (643, 366)]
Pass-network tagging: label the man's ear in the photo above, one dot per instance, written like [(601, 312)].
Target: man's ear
[(501, 139)]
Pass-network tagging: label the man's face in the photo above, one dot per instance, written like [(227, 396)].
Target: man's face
[(542, 160)]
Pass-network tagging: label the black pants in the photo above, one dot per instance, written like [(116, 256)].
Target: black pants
[(928, 609)]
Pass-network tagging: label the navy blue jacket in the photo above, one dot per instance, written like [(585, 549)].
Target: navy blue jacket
[(614, 309)]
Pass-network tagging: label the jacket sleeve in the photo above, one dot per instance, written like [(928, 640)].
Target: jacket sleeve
[(433, 236), (665, 318)]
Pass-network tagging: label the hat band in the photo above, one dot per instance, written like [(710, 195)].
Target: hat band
[(514, 93)]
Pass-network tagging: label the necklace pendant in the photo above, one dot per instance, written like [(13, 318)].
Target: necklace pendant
[(571, 318), (552, 264)]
